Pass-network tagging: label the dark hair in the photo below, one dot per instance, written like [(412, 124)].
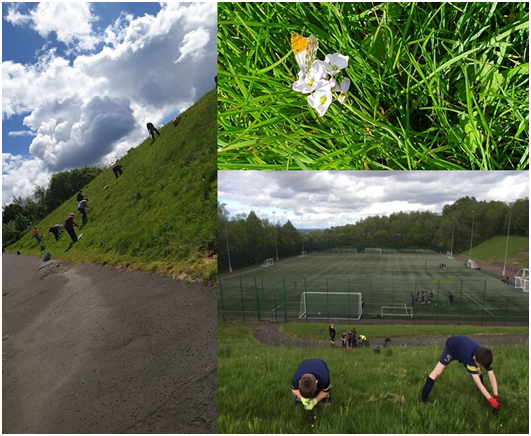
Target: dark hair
[(307, 385), (484, 357)]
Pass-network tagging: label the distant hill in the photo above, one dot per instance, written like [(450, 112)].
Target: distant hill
[(159, 215), (493, 250)]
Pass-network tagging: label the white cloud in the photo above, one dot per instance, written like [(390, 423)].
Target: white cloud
[(333, 198), (21, 175), (94, 108), (71, 22), (194, 43), (21, 133)]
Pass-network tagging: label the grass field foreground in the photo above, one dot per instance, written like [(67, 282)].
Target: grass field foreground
[(434, 86), (372, 393), (159, 215)]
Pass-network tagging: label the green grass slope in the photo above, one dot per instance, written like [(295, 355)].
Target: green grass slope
[(372, 393), (493, 250), (160, 215)]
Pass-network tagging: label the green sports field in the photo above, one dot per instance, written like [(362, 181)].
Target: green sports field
[(384, 280)]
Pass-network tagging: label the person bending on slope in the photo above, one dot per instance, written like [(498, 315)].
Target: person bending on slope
[(475, 358), (311, 383)]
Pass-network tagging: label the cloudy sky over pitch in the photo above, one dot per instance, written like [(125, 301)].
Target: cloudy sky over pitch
[(323, 199), (80, 81)]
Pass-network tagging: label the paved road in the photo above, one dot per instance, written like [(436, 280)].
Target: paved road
[(272, 334), (94, 350)]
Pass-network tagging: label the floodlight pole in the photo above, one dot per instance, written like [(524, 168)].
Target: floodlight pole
[(472, 234), (452, 246), (507, 242), (275, 231), (227, 239), (302, 237)]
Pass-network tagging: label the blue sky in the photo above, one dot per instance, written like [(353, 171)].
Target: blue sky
[(80, 81), (322, 199)]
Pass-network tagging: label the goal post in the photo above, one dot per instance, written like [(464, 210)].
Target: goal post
[(373, 250), (472, 264), (521, 280), (268, 262), (336, 305), (393, 311)]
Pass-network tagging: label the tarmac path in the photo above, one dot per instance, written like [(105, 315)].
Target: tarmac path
[(91, 349), (272, 334)]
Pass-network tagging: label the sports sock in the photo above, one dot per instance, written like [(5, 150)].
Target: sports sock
[(427, 388)]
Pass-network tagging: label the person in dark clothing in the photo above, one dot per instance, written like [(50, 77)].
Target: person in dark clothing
[(311, 383), (117, 170), (332, 332), (55, 229), (354, 339), (474, 358), (152, 130), (79, 196), (69, 227), (83, 204)]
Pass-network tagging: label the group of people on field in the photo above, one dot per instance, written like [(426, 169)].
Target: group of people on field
[(311, 384), (421, 297), (348, 340)]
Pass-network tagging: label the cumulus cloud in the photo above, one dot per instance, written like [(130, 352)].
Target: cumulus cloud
[(71, 22), (333, 198), (93, 107)]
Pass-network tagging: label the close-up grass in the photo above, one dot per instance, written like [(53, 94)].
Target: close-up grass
[(159, 215), (433, 86), (372, 393)]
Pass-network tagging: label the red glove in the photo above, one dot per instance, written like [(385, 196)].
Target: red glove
[(495, 403), (497, 397)]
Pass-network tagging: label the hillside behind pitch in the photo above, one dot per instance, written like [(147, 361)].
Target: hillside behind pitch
[(159, 216)]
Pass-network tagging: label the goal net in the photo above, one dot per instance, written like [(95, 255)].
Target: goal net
[(373, 250), (303, 254), (336, 305), (268, 262), (521, 280), (393, 311)]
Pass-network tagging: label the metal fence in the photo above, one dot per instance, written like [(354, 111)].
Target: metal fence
[(453, 301)]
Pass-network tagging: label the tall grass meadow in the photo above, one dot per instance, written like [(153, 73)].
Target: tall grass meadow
[(372, 393)]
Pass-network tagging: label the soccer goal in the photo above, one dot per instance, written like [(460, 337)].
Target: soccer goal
[(521, 280), (373, 250), (472, 264), (268, 262), (336, 305), (393, 311), (303, 254)]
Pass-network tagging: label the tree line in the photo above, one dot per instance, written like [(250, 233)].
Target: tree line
[(24, 212), (251, 240)]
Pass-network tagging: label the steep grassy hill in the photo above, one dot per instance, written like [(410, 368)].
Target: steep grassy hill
[(493, 250), (160, 215)]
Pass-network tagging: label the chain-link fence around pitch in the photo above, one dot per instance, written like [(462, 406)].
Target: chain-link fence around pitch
[(414, 300)]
